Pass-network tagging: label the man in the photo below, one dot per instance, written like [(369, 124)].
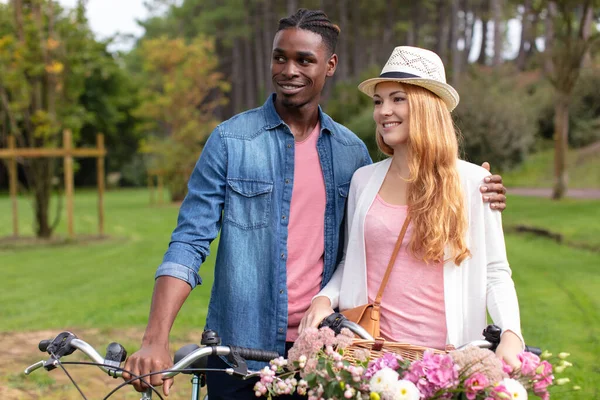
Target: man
[(274, 181)]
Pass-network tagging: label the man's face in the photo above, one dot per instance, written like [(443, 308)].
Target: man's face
[(299, 65)]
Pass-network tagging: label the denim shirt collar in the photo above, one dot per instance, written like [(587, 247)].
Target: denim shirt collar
[(273, 119)]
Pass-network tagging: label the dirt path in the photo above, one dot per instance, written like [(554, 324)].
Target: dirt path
[(546, 192), (19, 349)]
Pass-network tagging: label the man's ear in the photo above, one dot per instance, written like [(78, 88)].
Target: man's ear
[(332, 64)]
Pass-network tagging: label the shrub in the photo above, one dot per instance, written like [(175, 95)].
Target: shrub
[(497, 118)]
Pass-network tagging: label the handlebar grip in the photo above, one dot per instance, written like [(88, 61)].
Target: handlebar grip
[(43, 345), (535, 350), (254, 354)]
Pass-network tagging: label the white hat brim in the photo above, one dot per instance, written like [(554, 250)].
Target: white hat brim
[(444, 91)]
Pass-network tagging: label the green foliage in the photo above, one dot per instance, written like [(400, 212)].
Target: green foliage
[(585, 109), (182, 90), (109, 97), (496, 117)]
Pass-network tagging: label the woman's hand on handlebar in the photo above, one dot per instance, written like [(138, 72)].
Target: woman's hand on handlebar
[(508, 349), (319, 309), (150, 358)]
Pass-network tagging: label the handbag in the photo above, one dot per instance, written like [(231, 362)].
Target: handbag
[(367, 315)]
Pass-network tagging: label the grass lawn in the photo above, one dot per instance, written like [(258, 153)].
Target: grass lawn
[(538, 170), (106, 285)]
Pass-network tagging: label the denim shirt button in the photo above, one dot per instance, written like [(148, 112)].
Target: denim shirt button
[(289, 146), (283, 217), (280, 330), (287, 181), (282, 256), (281, 291)]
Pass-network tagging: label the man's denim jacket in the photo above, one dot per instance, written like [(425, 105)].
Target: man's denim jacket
[(242, 185)]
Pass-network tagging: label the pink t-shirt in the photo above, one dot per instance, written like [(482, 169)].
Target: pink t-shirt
[(412, 307), (306, 230)]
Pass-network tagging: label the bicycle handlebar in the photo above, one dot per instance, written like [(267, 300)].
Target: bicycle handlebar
[(66, 342), (492, 333)]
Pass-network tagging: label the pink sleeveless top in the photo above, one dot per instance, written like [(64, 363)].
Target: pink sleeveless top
[(306, 232), (412, 308)]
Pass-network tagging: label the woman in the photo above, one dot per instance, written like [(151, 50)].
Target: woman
[(452, 265)]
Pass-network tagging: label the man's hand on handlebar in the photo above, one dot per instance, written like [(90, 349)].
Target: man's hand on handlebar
[(150, 358), (319, 309)]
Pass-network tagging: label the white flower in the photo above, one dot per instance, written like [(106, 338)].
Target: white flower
[(514, 387), (406, 390), (384, 380)]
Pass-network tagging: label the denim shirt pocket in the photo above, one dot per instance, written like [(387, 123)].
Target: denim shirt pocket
[(248, 203)]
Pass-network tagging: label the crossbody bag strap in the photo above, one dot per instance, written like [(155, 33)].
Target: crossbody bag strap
[(384, 282)]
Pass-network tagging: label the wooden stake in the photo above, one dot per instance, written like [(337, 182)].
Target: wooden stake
[(160, 188), (100, 171), (13, 182), (68, 167), (151, 187)]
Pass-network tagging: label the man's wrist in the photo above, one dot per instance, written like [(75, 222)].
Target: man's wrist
[(322, 301)]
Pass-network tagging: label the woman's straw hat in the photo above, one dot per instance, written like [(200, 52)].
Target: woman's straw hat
[(415, 66)]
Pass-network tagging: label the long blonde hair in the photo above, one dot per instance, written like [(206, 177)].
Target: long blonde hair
[(435, 197)]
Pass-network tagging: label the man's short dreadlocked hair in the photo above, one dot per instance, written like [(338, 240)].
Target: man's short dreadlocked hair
[(315, 21)]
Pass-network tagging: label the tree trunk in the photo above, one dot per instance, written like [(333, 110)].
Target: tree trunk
[(412, 38), (526, 42), (561, 135), (470, 17), (549, 37), (443, 30), (586, 29), (250, 91), (497, 6), (455, 53), (292, 6), (41, 172), (237, 87), (388, 42), (259, 53), (343, 68), (358, 51), (269, 28), (484, 33)]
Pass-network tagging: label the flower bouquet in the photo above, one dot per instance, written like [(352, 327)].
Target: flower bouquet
[(317, 367)]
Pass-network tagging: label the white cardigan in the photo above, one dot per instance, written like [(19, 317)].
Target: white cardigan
[(482, 280)]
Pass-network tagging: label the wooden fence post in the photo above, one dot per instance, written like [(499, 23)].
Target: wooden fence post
[(68, 167), (13, 182), (160, 188), (100, 171)]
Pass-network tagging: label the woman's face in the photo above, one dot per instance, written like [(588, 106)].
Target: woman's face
[(391, 113)]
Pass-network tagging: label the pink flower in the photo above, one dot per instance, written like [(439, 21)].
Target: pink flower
[(542, 379), (506, 368), (529, 363), (501, 392), (433, 373), (475, 384), (388, 360)]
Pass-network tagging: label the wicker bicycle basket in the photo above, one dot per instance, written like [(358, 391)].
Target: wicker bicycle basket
[(377, 348)]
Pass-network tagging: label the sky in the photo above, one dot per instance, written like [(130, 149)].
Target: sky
[(108, 17)]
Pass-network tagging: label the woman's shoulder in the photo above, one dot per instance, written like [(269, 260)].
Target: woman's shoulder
[(470, 172), (363, 174)]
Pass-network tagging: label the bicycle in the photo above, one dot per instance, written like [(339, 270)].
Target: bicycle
[(192, 359)]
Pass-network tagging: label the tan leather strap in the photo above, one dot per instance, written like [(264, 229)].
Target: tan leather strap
[(377, 303)]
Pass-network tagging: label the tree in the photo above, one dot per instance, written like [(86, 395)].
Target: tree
[(45, 55), (569, 34), (182, 89)]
